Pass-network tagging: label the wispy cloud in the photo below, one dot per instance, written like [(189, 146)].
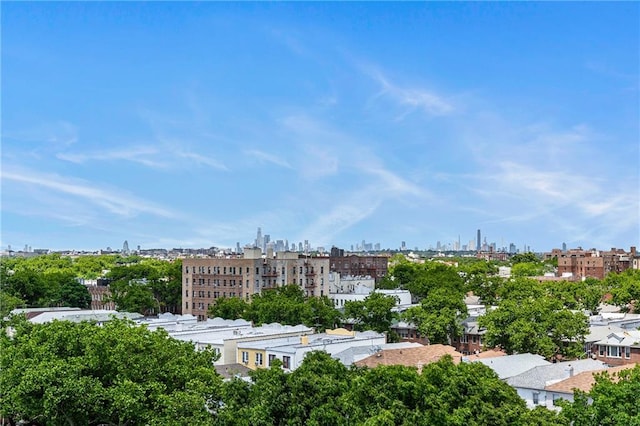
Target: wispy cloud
[(202, 160), (58, 134), (140, 154), (264, 157), (157, 157), (115, 201), (414, 99)]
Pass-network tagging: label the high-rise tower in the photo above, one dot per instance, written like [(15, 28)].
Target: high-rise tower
[(478, 242)]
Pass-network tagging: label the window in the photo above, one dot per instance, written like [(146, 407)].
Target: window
[(245, 357), (271, 358), (464, 339), (601, 352), (474, 339), (536, 398), (286, 361), (627, 352), (258, 359), (614, 352)]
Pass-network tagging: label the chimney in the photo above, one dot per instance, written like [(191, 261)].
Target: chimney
[(570, 370), (633, 251), (304, 340)]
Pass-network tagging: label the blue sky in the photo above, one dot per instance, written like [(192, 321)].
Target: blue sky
[(192, 124)]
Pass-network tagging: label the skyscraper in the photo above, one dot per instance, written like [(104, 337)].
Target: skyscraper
[(478, 242), (125, 248)]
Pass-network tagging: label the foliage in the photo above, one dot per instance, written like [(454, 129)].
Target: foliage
[(527, 257), (141, 285), (80, 373), (439, 317), (527, 269), (625, 289), (323, 392), (373, 313), (420, 279), (8, 303), (228, 308), (148, 286), (535, 323), (43, 289), (585, 294), (608, 403), (285, 305)]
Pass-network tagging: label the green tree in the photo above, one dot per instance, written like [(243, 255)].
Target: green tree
[(439, 317), (8, 303), (65, 373), (625, 289), (537, 325), (610, 402), (527, 269), (132, 288), (373, 313), (527, 257), (321, 314), (228, 308)]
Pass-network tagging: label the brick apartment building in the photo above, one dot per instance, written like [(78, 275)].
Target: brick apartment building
[(356, 265), (206, 279), (592, 263)]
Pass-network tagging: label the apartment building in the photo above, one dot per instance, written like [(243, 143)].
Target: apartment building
[(356, 265), (592, 263), (206, 279)]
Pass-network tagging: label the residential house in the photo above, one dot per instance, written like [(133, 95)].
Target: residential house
[(512, 365), (531, 384), (225, 341), (410, 357), (291, 351), (582, 381), (618, 348)]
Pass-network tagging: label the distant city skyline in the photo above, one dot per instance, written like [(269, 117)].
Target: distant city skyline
[(191, 124)]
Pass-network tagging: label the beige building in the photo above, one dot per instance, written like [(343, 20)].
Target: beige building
[(206, 279)]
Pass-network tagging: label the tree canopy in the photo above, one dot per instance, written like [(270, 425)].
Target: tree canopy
[(324, 392), (83, 374), (528, 320), (285, 305), (372, 313)]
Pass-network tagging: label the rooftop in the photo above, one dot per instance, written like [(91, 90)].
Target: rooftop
[(584, 381), (410, 357)]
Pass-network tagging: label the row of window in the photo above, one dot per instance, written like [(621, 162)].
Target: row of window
[(216, 294), (233, 270), (286, 360), (615, 351), (215, 282)]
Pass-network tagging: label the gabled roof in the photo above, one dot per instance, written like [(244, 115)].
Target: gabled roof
[(410, 357), (512, 365), (585, 380), (629, 338), (539, 377)]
